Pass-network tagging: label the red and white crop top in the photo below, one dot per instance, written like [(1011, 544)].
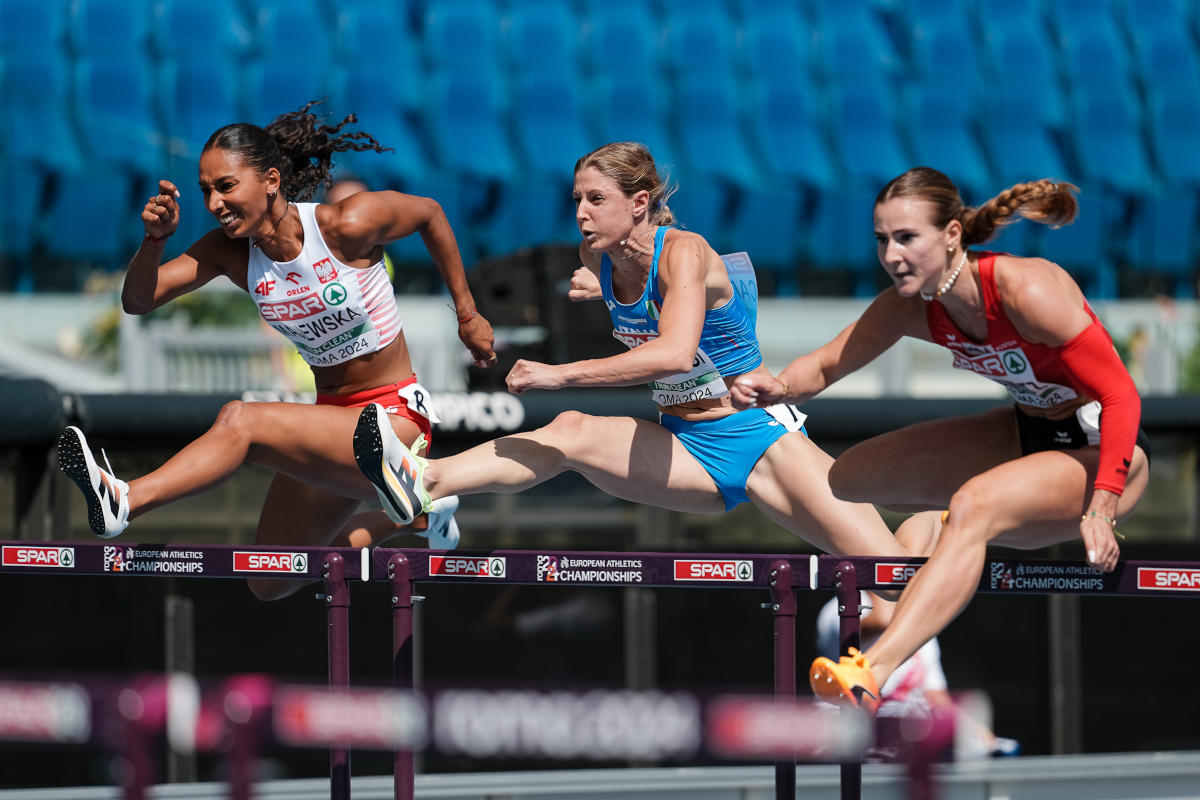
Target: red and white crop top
[(1040, 376), (332, 312)]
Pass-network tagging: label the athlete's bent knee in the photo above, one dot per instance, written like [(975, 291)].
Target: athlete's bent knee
[(846, 484)]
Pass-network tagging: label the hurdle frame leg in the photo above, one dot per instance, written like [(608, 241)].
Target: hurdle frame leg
[(403, 766), (337, 605), (845, 584), (783, 611)]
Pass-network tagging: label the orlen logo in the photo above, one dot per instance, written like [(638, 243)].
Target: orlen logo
[(1161, 578), (244, 561), (686, 570), (894, 574), (33, 556), (468, 566)]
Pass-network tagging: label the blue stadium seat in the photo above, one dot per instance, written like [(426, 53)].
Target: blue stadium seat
[(548, 118), (468, 125), (1067, 16), (35, 105), (182, 27), (380, 101), (529, 212), (944, 136), (787, 118), (1021, 58), (100, 26), (1085, 247), (368, 32), (705, 207), (1109, 139), (767, 225), (466, 36), (274, 86), (456, 201), (947, 59), (194, 218), (293, 29), (865, 131), (1138, 16), (33, 26), (997, 16), (634, 108), (1163, 239), (621, 43), (1021, 238), (200, 95), (1165, 55), (542, 38), (777, 44), (1095, 55), (1020, 135), (846, 243), (710, 129), (115, 102), (851, 43), (99, 202), (1173, 117), (699, 43), (24, 180)]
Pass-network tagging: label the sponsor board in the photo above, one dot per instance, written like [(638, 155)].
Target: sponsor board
[(1163, 579), (379, 719), (153, 561), (572, 569), (888, 574), (258, 561), (39, 556), (1006, 576), (44, 712), (468, 566), (737, 570)]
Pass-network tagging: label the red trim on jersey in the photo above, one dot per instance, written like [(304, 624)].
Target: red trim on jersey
[(1088, 363), (388, 397)]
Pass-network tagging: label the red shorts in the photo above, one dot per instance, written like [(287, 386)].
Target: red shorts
[(392, 401)]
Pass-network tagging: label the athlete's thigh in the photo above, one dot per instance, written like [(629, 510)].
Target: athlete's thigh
[(790, 484), (921, 465), (298, 513), (314, 444), (642, 461), (1036, 500)]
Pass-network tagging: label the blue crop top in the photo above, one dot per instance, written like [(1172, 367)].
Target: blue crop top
[(728, 343)]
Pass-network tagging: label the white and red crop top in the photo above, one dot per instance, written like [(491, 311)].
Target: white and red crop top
[(331, 312)]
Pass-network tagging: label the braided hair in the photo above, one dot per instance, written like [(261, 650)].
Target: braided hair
[(1046, 201), (297, 144)]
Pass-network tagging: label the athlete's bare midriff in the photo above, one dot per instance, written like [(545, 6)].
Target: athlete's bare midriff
[(390, 365), (715, 408), (1060, 411)]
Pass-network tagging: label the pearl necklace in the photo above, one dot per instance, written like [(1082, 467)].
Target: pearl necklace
[(945, 287)]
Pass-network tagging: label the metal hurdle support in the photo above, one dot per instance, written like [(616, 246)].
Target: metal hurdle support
[(334, 566)]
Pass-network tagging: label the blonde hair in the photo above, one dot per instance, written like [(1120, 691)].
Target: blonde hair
[(632, 167), (1045, 201)]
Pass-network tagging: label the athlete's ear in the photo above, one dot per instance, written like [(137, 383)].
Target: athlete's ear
[(953, 233), (273, 179), (641, 202)]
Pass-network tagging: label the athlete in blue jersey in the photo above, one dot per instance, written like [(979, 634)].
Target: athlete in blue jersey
[(690, 335)]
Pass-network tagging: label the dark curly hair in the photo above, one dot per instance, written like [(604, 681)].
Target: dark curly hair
[(1045, 201), (297, 144)]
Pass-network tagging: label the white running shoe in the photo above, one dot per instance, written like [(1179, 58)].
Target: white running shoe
[(442, 532), (107, 496), (395, 470)]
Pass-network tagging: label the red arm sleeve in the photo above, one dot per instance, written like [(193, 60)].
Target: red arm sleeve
[(1095, 367)]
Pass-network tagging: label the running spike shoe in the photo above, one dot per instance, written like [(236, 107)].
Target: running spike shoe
[(443, 528), (848, 681), (395, 470), (107, 496)]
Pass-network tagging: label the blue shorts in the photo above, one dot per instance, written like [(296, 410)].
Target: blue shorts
[(728, 447)]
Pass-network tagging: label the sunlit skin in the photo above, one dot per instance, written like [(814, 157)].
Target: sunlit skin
[(974, 466)]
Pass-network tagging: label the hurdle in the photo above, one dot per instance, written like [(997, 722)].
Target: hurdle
[(780, 575)]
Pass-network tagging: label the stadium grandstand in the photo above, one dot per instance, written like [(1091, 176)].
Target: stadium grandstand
[(779, 119)]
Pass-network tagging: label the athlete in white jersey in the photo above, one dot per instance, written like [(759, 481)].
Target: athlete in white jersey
[(316, 272)]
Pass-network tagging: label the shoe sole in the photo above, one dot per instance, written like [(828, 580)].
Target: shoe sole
[(827, 685), (73, 463), (368, 453)]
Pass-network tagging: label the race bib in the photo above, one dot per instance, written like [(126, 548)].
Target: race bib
[(420, 401), (788, 416)]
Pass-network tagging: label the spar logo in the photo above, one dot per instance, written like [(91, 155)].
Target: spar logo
[(468, 566), (711, 570), (894, 574), (1166, 578), (246, 561), (39, 556), (297, 308)]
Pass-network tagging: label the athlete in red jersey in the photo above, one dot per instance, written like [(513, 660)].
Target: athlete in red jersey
[(1046, 470)]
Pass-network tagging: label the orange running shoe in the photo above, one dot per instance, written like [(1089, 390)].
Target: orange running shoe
[(846, 681)]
